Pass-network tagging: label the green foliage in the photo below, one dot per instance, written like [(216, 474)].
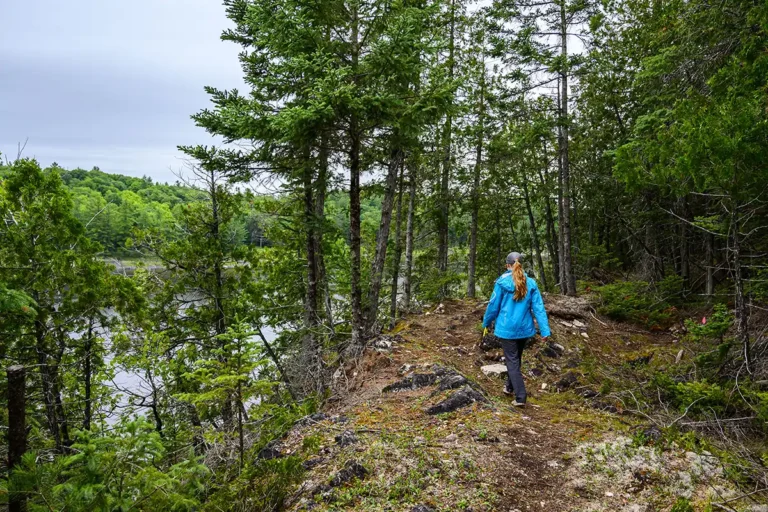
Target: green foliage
[(262, 486), (682, 505), (641, 302), (15, 304), (125, 470), (716, 326)]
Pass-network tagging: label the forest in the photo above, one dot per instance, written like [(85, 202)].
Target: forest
[(384, 159)]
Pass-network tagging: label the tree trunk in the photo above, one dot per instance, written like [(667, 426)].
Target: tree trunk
[(17, 429), (322, 277), (47, 379), (398, 253), (412, 177), (87, 374), (742, 311), (312, 362), (565, 220), (382, 237), (471, 287), (685, 269), (220, 326), (552, 240), (442, 242), (710, 286), (534, 232), (358, 326)]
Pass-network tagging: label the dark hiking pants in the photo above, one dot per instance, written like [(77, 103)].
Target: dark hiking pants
[(513, 355)]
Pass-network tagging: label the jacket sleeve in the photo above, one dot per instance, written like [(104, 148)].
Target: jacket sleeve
[(537, 305), (492, 311)]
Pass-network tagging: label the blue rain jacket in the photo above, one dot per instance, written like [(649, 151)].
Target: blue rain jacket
[(514, 319)]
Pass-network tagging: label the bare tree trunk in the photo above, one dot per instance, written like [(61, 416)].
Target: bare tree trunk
[(685, 269), (742, 311), (471, 287), (358, 321), (552, 239), (710, 286), (565, 220), (442, 249), (17, 429), (534, 232), (382, 237), (47, 379), (312, 360), (398, 254), (87, 374), (322, 277), (412, 177)]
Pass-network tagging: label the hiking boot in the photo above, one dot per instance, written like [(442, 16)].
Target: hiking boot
[(519, 404), (507, 391)]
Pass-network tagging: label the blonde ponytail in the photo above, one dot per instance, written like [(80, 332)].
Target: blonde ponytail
[(521, 282)]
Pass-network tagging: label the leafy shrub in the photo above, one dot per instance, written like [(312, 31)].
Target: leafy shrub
[(124, 471), (714, 328), (595, 261), (639, 302), (262, 486)]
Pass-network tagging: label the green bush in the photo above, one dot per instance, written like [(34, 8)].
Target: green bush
[(639, 302), (715, 328)]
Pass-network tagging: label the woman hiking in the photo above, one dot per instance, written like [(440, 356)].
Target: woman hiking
[(514, 303)]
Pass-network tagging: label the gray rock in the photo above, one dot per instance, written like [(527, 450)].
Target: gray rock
[(415, 381), (346, 438), (312, 418), (568, 380), (453, 381), (270, 451), (495, 371), (461, 398), (553, 350), (311, 463), (352, 469)]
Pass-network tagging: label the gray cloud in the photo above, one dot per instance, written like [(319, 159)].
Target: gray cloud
[(110, 83)]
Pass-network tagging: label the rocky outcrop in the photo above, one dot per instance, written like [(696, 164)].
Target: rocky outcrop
[(461, 398)]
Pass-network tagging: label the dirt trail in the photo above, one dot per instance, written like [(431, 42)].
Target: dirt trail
[(392, 455)]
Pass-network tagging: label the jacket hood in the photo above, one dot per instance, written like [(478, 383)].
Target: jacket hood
[(507, 282)]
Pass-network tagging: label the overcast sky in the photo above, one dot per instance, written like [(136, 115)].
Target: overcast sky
[(110, 83)]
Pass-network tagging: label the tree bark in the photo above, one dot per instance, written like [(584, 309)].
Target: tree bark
[(442, 242), (17, 429), (412, 177), (565, 220), (358, 321), (322, 277), (552, 240), (312, 361), (382, 237), (742, 311), (534, 232), (398, 253), (87, 374), (710, 286), (47, 379), (471, 270)]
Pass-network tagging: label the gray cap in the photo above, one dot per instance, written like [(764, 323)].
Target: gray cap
[(513, 257)]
